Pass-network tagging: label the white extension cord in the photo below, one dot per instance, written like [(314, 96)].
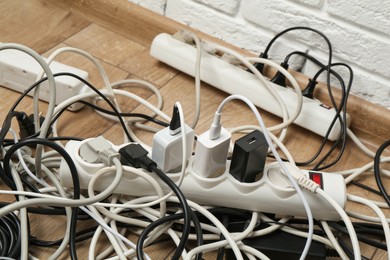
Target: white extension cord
[(272, 193), (233, 79)]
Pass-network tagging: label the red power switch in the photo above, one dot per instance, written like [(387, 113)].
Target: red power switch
[(317, 178)]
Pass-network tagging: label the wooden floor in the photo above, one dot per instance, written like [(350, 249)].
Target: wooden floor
[(46, 25)]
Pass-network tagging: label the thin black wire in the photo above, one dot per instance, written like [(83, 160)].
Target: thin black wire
[(361, 237), (327, 68), (74, 174), (377, 174), (10, 236), (148, 118), (187, 217), (4, 130), (342, 107), (365, 187)]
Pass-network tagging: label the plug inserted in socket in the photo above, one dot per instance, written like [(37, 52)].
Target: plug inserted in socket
[(233, 79)]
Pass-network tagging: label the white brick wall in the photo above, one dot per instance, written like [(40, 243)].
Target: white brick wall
[(358, 30)]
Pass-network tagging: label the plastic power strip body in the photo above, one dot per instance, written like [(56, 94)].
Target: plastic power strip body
[(18, 71), (233, 79), (272, 193)]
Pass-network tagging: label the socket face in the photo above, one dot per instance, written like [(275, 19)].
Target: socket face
[(272, 193), (232, 79)]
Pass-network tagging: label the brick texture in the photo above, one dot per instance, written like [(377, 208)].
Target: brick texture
[(358, 30)]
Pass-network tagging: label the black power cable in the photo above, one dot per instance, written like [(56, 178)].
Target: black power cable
[(76, 183), (341, 107), (136, 156), (7, 122), (378, 178)]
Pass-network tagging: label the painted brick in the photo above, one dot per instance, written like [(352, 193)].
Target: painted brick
[(157, 6), (373, 14), (316, 3), (235, 31), (349, 44), (226, 6), (358, 30), (364, 85)]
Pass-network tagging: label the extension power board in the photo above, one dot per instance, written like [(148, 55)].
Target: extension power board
[(272, 193), (18, 71), (233, 79)]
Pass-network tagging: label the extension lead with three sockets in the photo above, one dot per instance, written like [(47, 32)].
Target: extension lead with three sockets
[(272, 193)]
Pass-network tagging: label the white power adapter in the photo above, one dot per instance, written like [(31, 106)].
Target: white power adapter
[(211, 154), (167, 150)]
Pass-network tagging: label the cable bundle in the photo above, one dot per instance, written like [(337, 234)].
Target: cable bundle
[(30, 166)]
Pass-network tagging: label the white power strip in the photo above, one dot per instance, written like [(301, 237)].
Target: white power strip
[(272, 193), (19, 71), (232, 79)]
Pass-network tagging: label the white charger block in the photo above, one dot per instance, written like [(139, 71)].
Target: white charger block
[(211, 154), (167, 149)]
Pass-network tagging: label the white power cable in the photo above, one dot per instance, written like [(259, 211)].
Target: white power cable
[(381, 215), (281, 163)]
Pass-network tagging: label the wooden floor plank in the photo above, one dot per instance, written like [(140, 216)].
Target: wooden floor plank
[(39, 25), (122, 46)]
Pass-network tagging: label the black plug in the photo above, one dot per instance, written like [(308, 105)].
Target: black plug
[(260, 66), (174, 125), (136, 156), (249, 154), (27, 125), (279, 77), (309, 89)]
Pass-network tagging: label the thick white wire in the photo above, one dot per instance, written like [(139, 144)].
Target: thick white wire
[(281, 163), (359, 143), (113, 215), (60, 190), (23, 162), (141, 83), (95, 237), (252, 251), (365, 217), (379, 212), (287, 119), (333, 240), (50, 59), (52, 99), (87, 95), (197, 77), (66, 202), (24, 234), (347, 221), (357, 172), (100, 68)]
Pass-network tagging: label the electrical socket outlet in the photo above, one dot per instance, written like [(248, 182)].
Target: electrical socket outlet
[(233, 79), (273, 193)]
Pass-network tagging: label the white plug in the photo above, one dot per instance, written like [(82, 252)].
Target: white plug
[(211, 150), (167, 150), (97, 150)]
